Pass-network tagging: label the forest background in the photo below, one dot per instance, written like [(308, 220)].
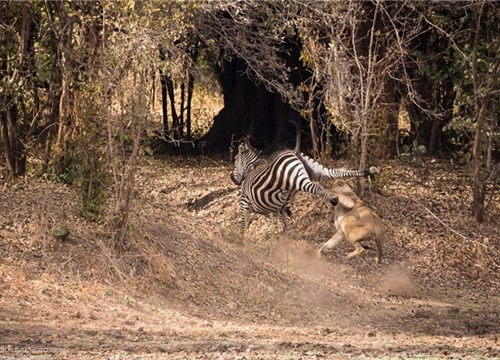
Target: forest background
[(375, 80), (117, 120)]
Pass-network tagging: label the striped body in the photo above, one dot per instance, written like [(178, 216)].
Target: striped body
[(269, 185)]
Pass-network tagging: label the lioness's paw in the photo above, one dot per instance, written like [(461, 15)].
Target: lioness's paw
[(322, 251)]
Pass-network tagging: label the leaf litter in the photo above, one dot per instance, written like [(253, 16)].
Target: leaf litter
[(187, 287)]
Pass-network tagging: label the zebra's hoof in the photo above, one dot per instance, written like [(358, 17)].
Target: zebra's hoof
[(334, 200)]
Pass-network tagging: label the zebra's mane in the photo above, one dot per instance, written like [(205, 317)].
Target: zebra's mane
[(263, 160)]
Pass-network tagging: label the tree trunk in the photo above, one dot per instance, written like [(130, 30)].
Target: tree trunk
[(434, 109), (479, 186), (481, 104), (164, 99), (64, 129), (190, 89), (54, 89), (13, 128), (391, 111), (182, 110), (11, 138), (249, 109), (175, 117), (188, 105)]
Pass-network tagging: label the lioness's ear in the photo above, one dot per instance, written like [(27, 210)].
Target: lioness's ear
[(346, 201)]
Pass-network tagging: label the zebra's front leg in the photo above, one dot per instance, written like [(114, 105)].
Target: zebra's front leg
[(243, 220)]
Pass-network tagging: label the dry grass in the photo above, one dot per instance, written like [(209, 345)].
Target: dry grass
[(190, 259)]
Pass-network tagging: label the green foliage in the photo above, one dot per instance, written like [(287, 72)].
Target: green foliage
[(92, 181), (82, 168), (95, 51), (128, 301), (61, 169), (459, 131), (61, 232), (413, 153), (413, 150), (93, 198)]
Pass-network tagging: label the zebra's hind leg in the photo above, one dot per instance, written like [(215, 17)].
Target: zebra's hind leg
[(286, 214), (250, 219), (270, 224)]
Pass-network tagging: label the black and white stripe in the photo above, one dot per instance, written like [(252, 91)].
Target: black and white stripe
[(269, 185)]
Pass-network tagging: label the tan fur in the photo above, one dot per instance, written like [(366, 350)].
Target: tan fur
[(354, 222)]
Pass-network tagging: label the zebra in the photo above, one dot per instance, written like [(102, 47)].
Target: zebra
[(268, 185)]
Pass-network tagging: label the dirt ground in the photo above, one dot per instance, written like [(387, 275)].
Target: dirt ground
[(188, 288)]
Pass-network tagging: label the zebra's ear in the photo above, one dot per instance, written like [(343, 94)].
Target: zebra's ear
[(244, 144), (233, 142), (232, 147)]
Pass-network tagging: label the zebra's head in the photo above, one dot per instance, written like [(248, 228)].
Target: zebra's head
[(244, 161)]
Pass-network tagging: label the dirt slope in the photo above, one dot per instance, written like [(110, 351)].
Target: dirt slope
[(188, 288)]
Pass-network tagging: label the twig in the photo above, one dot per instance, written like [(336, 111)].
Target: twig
[(443, 223), (212, 160)]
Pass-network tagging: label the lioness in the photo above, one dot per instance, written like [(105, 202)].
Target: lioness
[(355, 222)]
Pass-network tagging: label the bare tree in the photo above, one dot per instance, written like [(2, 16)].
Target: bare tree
[(355, 50), (476, 48), (486, 86), (256, 32)]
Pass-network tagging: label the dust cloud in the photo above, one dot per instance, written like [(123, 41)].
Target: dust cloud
[(397, 281)]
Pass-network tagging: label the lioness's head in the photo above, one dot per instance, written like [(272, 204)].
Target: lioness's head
[(347, 197)]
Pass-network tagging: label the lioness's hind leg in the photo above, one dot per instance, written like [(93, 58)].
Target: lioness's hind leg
[(358, 251)]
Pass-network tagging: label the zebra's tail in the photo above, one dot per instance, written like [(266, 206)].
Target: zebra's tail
[(373, 170), (295, 119)]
